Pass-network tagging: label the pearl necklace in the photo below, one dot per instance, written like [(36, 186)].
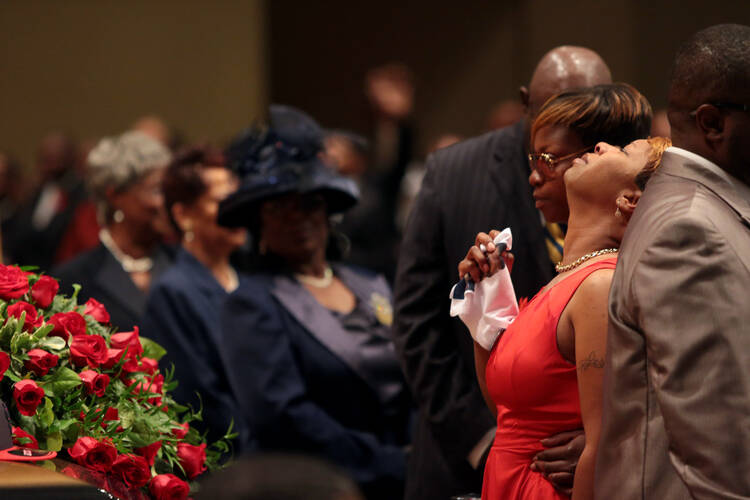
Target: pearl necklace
[(128, 263), (580, 260), (316, 282)]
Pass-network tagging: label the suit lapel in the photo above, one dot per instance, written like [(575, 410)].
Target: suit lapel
[(510, 175), (116, 282), (320, 323)]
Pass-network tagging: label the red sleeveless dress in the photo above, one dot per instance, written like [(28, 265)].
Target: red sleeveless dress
[(535, 390)]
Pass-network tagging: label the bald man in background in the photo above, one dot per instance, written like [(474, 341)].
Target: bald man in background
[(477, 184)]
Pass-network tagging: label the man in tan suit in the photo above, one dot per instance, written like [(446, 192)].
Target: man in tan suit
[(676, 415)]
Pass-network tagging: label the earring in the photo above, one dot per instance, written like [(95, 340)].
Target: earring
[(118, 216), (188, 234), (618, 213)]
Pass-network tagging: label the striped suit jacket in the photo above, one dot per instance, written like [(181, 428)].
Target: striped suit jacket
[(473, 186)]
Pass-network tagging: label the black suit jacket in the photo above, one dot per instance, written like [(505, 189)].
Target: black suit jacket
[(102, 278), (474, 186)]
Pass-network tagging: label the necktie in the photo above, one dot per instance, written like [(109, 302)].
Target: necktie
[(554, 236)]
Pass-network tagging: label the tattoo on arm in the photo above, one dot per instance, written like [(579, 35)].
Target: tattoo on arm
[(591, 361)]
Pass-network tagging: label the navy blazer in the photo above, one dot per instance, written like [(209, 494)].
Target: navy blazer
[(103, 278), (182, 315), (303, 382)]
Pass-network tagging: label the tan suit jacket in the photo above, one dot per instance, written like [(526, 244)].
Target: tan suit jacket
[(676, 415)]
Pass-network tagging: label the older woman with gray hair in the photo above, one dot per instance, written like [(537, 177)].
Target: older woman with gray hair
[(124, 177)]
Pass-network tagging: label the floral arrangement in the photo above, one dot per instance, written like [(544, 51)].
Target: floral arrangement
[(72, 383)]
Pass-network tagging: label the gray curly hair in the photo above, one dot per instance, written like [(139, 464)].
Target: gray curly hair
[(119, 162)]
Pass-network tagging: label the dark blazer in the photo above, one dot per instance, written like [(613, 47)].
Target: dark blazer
[(183, 315), (676, 408), (474, 186), (102, 278), (305, 384)]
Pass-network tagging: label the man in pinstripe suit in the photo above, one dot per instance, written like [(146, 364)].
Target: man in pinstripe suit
[(469, 187)]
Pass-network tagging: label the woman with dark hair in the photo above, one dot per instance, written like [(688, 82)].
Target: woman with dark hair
[(306, 341), (543, 374), (182, 313)]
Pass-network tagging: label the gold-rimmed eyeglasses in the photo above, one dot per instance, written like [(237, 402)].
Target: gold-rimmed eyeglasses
[(547, 163)]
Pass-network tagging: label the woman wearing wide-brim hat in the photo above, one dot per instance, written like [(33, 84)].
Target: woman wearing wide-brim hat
[(306, 341)]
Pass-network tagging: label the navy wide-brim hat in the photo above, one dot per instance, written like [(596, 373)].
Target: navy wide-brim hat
[(282, 159)]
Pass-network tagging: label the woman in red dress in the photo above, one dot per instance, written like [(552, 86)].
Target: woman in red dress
[(544, 373)]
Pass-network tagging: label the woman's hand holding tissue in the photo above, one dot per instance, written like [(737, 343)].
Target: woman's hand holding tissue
[(485, 258)]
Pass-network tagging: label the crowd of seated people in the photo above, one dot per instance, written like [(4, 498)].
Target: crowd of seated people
[(267, 269)]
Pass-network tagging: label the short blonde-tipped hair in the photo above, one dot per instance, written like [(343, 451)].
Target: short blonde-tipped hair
[(658, 145), (615, 113), (119, 162)]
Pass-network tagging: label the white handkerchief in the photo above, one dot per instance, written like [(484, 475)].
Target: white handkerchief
[(486, 308)]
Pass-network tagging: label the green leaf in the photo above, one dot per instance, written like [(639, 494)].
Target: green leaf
[(151, 349), (64, 380), (46, 415), (62, 425), (76, 289), (6, 333), (126, 418), (20, 341), (43, 331), (54, 343), (54, 441), (13, 376)]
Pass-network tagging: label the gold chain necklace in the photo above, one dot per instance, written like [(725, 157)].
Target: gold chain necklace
[(580, 260)]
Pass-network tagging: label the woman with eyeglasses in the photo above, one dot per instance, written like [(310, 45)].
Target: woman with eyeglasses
[(543, 375), (306, 340)]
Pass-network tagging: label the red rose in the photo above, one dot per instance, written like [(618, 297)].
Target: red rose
[(96, 455), (168, 487), (192, 458), (28, 395), (44, 291), (182, 431), (30, 441), (32, 321), (148, 365), (13, 282), (96, 310), (113, 357), (4, 363), (149, 452), (127, 340), (67, 324), (94, 382), (40, 362), (132, 469), (111, 414), (88, 349)]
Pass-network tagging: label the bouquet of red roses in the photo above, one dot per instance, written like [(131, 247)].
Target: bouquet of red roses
[(73, 383)]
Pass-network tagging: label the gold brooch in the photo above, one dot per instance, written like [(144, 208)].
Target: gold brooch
[(382, 307)]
